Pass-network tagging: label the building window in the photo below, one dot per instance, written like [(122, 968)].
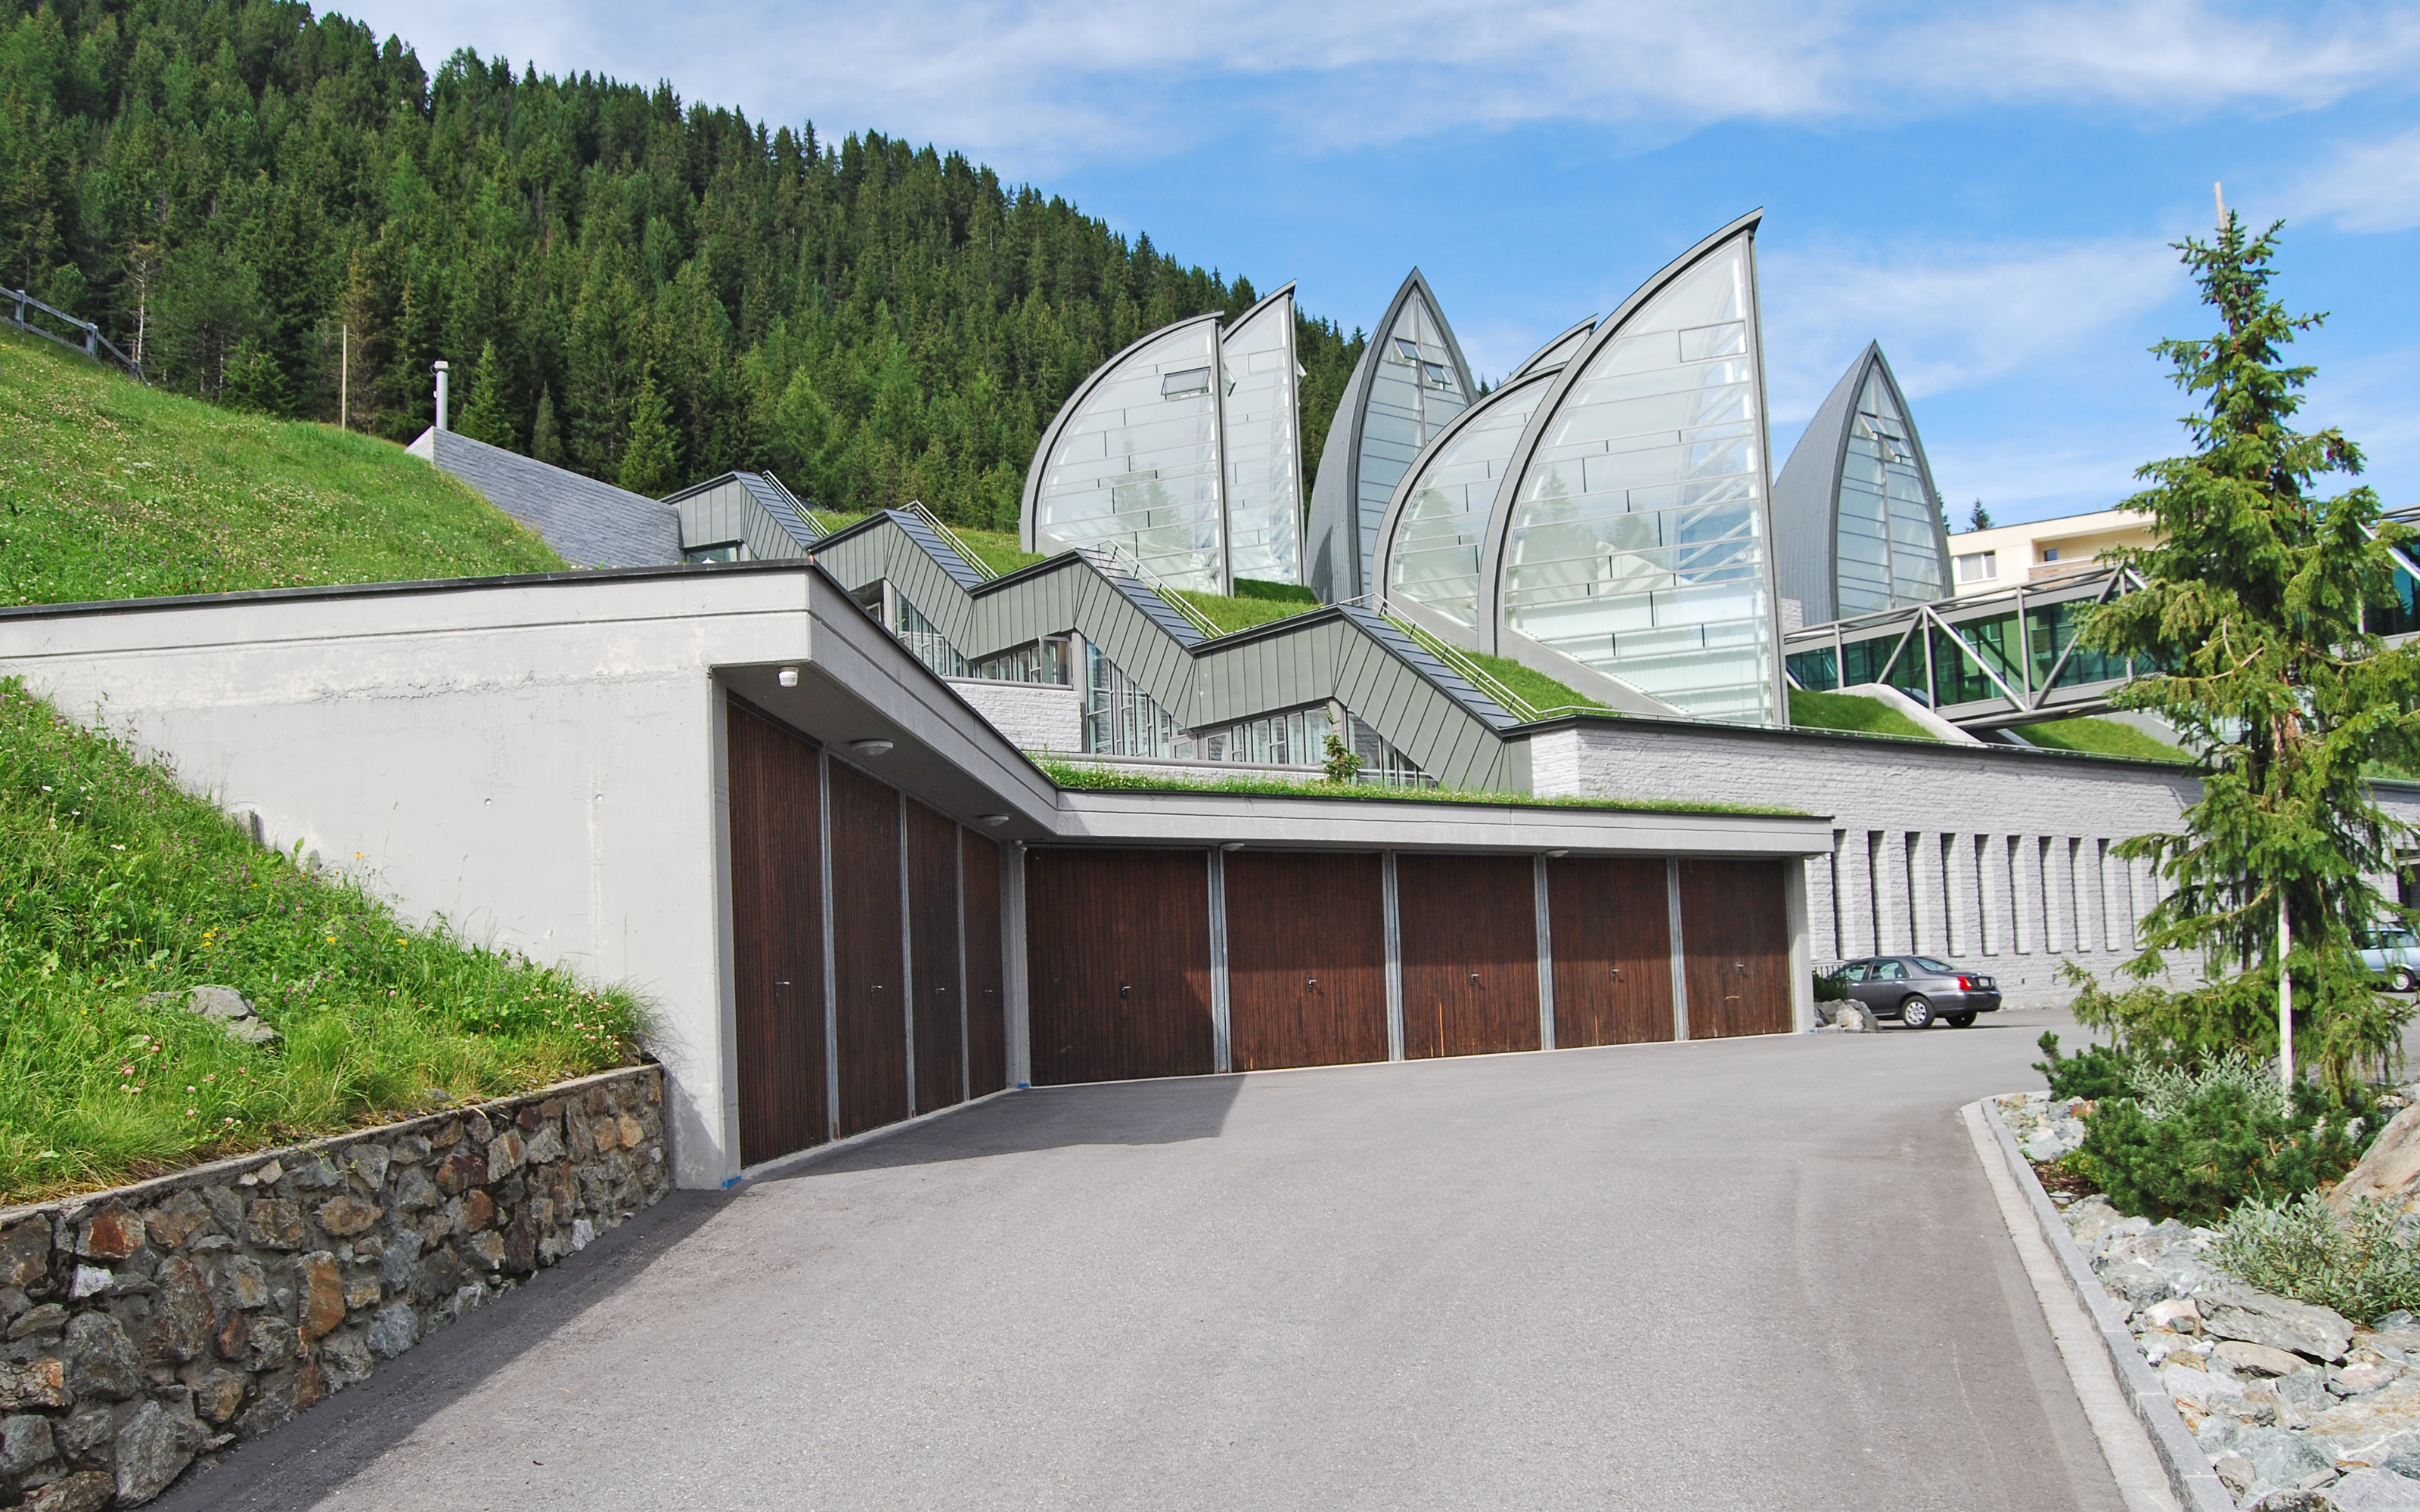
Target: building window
[(1121, 720), (925, 640), (727, 551), (1978, 567), (2049, 553), (1296, 738), (1036, 661), (1185, 384)]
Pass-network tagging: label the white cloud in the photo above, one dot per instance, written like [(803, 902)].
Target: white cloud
[(1108, 78), (1952, 317), (2368, 186)]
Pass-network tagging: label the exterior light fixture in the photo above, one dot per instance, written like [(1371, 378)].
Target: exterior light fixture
[(787, 677), (868, 747), (1232, 845), (1557, 855), (995, 820)]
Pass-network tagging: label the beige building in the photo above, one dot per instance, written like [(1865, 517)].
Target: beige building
[(2012, 556)]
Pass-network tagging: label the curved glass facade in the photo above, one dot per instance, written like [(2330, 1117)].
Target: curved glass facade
[(1556, 352), (1889, 542), (1415, 390), (1133, 461), (1264, 448), (1433, 558), (1637, 543)]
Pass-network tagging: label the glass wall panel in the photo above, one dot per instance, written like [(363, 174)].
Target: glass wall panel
[(1869, 660), (1137, 465), (1889, 556), (1120, 718), (1415, 391), (1956, 677), (1911, 673), (1636, 543), (1433, 558), (2398, 615), (1264, 462), (925, 640), (1818, 672), (2051, 630)]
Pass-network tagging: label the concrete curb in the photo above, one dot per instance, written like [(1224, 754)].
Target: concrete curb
[(2190, 1475)]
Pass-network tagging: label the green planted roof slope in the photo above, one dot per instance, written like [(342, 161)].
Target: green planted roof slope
[(1853, 712), (116, 885), (2103, 737), (110, 490)]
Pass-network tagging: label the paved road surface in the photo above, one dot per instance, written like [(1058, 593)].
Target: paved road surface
[(1748, 1274)]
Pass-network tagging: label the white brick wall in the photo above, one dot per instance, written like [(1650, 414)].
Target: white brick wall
[(2028, 880), (1038, 716)]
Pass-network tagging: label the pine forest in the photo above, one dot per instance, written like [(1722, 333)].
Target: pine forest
[(278, 212)]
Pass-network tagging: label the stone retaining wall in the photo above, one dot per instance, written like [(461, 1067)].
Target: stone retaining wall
[(148, 1324)]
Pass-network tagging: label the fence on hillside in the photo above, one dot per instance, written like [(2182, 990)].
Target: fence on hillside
[(87, 339)]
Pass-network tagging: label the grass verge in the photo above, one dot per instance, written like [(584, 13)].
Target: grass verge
[(111, 490), (1102, 779), (116, 884), (1853, 712)]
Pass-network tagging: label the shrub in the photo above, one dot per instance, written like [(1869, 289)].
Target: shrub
[(2216, 1142), (2363, 1265), (1830, 988), (2095, 1071)]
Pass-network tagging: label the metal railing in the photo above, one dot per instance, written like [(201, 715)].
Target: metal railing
[(1110, 557), (93, 344), (967, 554), (1465, 666)]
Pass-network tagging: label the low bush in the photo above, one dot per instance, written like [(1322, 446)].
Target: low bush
[(2095, 1071), (1830, 988), (2213, 1143), (2363, 1264)]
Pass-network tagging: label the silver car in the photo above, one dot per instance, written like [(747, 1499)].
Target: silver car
[(1917, 990), (2392, 953)]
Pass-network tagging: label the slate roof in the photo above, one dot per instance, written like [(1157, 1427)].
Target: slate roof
[(590, 524)]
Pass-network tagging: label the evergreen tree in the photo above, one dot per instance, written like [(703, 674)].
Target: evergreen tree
[(648, 465), (2252, 627), (1980, 519), (545, 442), (483, 417)]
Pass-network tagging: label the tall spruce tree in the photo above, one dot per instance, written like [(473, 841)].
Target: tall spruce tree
[(2253, 618), (483, 418), (648, 463)]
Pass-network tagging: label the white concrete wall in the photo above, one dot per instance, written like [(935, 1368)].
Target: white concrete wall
[(536, 767), (1036, 717)]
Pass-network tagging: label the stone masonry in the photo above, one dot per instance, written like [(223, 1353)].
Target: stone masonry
[(148, 1324)]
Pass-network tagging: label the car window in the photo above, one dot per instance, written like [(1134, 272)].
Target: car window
[(1855, 970), (1938, 967), (1890, 971)]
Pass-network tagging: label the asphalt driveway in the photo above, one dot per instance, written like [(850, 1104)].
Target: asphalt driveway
[(1745, 1273)]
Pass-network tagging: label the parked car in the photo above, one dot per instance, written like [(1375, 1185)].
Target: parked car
[(2393, 956), (1917, 990)]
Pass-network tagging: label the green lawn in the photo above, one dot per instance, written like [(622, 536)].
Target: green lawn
[(110, 490), (2104, 737), (1852, 711), (115, 883), (1542, 692)]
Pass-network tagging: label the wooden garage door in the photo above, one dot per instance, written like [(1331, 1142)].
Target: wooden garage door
[(867, 961), (986, 1003), (777, 924), (933, 945), (1469, 933), (1306, 960), (1118, 956), (1735, 948), (1611, 923)]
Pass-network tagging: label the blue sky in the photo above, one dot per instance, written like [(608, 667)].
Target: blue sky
[(1988, 190)]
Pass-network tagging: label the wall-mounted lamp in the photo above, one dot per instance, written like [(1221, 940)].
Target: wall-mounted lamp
[(787, 677), (1557, 855), (995, 820), (1232, 845), (868, 747)]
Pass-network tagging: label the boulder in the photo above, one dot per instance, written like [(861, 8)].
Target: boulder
[(153, 1449), (2376, 1491), (232, 1010), (2231, 1310), (2177, 1313), (86, 1492), (2281, 1461), (2390, 1172), (2259, 1359)]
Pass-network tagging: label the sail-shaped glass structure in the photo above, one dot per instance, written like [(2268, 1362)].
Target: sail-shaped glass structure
[(1430, 547), (1264, 493), (1411, 382), (1857, 522), (1182, 455), (1635, 536)]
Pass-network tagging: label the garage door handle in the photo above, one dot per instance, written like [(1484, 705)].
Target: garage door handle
[(1473, 976), (1740, 966), (1124, 990), (1617, 973)]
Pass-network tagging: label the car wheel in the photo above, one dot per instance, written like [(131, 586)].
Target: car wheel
[(1917, 1014), (1961, 1021), (2404, 981)]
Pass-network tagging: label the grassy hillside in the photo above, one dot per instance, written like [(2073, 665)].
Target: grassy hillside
[(2105, 737), (110, 490), (1855, 712), (114, 885)]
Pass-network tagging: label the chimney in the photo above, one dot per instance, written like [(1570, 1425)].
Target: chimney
[(441, 394)]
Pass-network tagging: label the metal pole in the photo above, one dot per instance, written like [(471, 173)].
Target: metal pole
[(2285, 996), (345, 380)]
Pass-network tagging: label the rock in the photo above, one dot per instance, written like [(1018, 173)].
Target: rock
[(153, 1449), (36, 1383), (85, 1436), (2178, 1315), (316, 1175), (2230, 1310), (178, 1219), (50, 1317), (25, 1447), (182, 1321), (2158, 1343), (2196, 1389), (2362, 1377), (478, 1210), (634, 1133), (90, 1281), (111, 1234), (2281, 1460), (545, 1146), (26, 1253), (2390, 1172), (2235, 1473), (2089, 1218), (2294, 1501), (273, 1222), (459, 1173), (273, 1344), (243, 1285), (394, 1330), (2137, 1284), (345, 1217), (219, 1395), (101, 1359), (344, 1359), (370, 1162), (2258, 1359), (2306, 1388), (2376, 1491), (268, 1175), (323, 1294), (232, 1010), (87, 1492)]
